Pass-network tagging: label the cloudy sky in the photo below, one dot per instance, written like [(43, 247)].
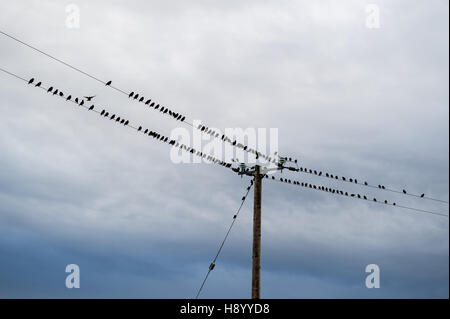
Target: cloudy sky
[(366, 102)]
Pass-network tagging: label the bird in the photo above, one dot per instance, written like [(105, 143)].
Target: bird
[(118, 119), (422, 196), (61, 94), (385, 201), (382, 187), (91, 107), (365, 183), (183, 118), (82, 103), (364, 197), (76, 100), (126, 122), (374, 199), (379, 186), (55, 92), (106, 114), (122, 121), (69, 97), (31, 81), (404, 191), (157, 106), (140, 128), (89, 98), (152, 105), (108, 83), (148, 102), (50, 89), (112, 117), (343, 178), (102, 112), (146, 130), (38, 84), (131, 94), (141, 99), (136, 96)]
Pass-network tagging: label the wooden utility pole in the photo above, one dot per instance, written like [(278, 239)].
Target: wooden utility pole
[(256, 258)]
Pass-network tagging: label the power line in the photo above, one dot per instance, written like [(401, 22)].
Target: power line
[(213, 263), (105, 113), (349, 194), (201, 128), (319, 173)]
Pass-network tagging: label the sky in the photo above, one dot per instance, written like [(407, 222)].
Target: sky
[(346, 98)]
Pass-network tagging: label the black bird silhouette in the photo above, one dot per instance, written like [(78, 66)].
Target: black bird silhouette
[(379, 186), (364, 197), (365, 183), (146, 130), (422, 196), (157, 106), (112, 117), (82, 103), (106, 114), (108, 83), (76, 100), (126, 122), (404, 192), (56, 92), (121, 122), (61, 94), (141, 99), (91, 107), (394, 204), (374, 199), (382, 187), (385, 201), (148, 102), (38, 84), (50, 89), (31, 81), (102, 112), (118, 119), (69, 97), (136, 96), (131, 94), (152, 105), (183, 118), (343, 178), (140, 128), (89, 98)]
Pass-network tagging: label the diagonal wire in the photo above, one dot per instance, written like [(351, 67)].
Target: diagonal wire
[(213, 263)]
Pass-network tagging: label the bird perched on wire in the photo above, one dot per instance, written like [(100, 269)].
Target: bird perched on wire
[(82, 103), (76, 100), (89, 98), (131, 94), (422, 196), (69, 97), (61, 94), (108, 83), (38, 84), (31, 81), (404, 191), (50, 89), (91, 107), (55, 92)]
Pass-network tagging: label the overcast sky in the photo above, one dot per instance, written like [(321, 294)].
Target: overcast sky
[(366, 102)]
